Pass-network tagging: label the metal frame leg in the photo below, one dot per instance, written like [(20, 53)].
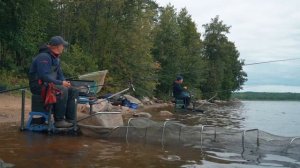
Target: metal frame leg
[(244, 134), (163, 132), (22, 127), (50, 124), (202, 129), (91, 108), (75, 116), (127, 129)]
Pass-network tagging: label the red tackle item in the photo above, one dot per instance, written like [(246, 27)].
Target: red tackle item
[(49, 94)]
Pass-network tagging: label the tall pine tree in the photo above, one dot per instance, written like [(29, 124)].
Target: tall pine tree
[(223, 72)]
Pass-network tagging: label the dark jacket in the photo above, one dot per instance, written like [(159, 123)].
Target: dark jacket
[(45, 67), (177, 90)]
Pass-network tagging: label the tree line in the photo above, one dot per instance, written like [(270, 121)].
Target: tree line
[(136, 40)]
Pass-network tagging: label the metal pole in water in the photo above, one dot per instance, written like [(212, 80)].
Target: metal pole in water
[(75, 122), (243, 140), (91, 108), (50, 124), (127, 129), (22, 110)]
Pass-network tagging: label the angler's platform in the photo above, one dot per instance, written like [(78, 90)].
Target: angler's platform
[(40, 120)]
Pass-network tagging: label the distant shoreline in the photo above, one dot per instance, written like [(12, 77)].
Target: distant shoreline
[(287, 96)]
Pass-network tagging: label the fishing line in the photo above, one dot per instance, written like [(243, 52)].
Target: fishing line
[(256, 63), (265, 62)]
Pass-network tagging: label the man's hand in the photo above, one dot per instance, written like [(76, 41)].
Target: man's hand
[(66, 84), (185, 87)]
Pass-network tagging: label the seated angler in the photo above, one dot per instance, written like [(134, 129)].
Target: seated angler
[(45, 71), (180, 92)]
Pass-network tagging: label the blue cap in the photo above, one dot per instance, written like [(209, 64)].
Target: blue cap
[(179, 78), (58, 40)]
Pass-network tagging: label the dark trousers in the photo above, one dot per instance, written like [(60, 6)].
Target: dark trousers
[(185, 96), (65, 106)]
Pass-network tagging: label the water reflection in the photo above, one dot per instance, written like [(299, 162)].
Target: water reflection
[(26, 149), (276, 117), (39, 150), (227, 115)]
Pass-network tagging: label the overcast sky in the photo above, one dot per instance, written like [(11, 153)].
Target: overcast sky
[(262, 30)]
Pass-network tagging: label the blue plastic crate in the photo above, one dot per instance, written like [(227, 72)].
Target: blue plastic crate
[(133, 105), (38, 127)]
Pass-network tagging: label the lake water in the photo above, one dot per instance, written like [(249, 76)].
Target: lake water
[(26, 149), (276, 117)]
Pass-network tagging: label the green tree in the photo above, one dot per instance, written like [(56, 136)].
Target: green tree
[(167, 49), (191, 59), (234, 76), (129, 55), (77, 62), (177, 48), (136, 40), (117, 35), (23, 29), (224, 72)]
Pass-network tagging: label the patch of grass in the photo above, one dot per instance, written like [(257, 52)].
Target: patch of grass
[(12, 80)]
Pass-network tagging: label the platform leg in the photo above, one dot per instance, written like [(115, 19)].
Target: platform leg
[(75, 122), (49, 120), (91, 108), (22, 128)]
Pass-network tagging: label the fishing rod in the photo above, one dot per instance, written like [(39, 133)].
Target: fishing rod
[(94, 114), (88, 87), (75, 87), (265, 62), (10, 90), (256, 63), (107, 99), (25, 87)]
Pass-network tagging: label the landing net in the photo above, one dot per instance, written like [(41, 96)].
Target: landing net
[(98, 77), (172, 133)]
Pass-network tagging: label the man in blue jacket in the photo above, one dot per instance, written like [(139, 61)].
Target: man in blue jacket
[(180, 92), (45, 69)]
